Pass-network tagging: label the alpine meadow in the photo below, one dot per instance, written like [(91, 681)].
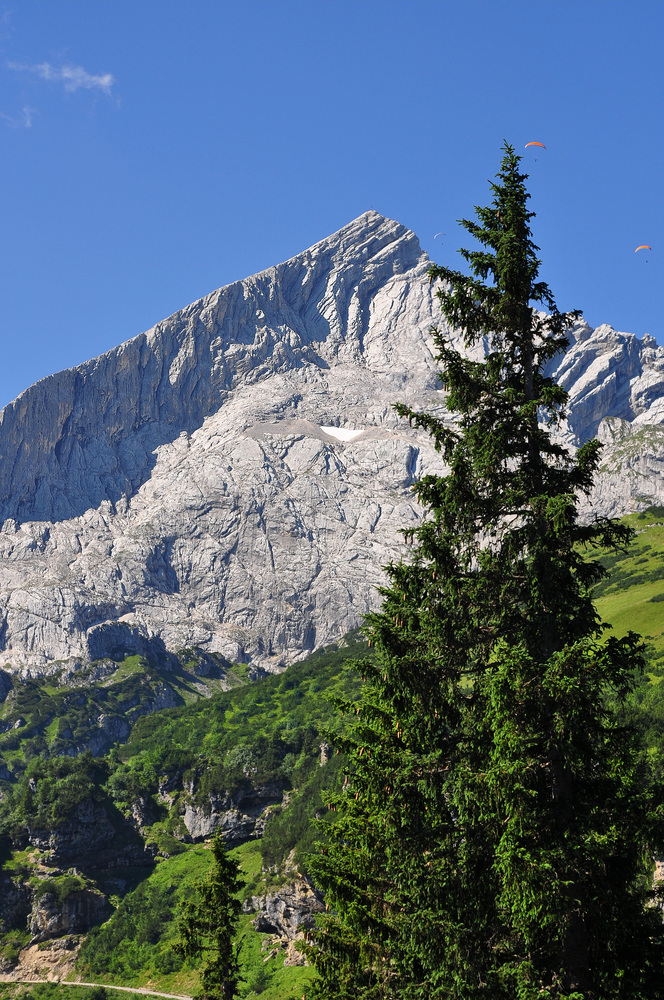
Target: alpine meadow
[(498, 824)]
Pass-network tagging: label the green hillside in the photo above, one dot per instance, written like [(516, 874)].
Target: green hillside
[(136, 946), (632, 597), (267, 733), (98, 705), (257, 738)]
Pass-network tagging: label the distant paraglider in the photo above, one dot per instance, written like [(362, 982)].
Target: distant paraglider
[(540, 144), (439, 234), (644, 246)]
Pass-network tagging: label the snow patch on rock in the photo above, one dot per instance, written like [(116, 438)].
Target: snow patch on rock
[(342, 433)]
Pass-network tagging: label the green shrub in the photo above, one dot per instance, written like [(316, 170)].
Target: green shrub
[(125, 945), (61, 888), (47, 795), (260, 981), (293, 826), (11, 944), (167, 961)]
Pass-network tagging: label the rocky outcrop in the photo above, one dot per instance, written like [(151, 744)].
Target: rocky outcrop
[(46, 915), (234, 479), (286, 913), (91, 840), (52, 960), (15, 902), (54, 918), (238, 817), (53, 914), (87, 833)]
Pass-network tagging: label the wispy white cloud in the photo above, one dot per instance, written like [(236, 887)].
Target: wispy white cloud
[(72, 77), (5, 23), (24, 121)]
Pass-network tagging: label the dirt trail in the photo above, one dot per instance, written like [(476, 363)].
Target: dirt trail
[(123, 989), (135, 989), (53, 962)]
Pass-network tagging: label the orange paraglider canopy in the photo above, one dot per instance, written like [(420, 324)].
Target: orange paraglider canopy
[(644, 246), (534, 144)]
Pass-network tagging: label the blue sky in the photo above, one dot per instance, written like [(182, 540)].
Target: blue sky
[(153, 150)]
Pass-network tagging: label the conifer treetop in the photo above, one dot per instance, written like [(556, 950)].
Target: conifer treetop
[(510, 260)]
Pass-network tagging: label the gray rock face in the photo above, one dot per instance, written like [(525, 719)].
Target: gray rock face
[(88, 832), (239, 817), (53, 918), (90, 839), (15, 902), (289, 910), (286, 914), (616, 387), (234, 479)]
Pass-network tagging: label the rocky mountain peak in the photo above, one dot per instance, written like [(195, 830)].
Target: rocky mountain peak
[(88, 434), (234, 479)]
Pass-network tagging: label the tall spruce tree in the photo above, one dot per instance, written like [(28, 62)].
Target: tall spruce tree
[(207, 926), (497, 831)]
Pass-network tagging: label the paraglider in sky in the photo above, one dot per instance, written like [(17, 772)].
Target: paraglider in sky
[(439, 234), (534, 144), (644, 246)]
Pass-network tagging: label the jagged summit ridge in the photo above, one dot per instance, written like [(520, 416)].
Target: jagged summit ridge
[(235, 478), (92, 429), (180, 490)]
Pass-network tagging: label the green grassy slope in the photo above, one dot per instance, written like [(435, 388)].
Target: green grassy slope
[(265, 733), (632, 597), (136, 946)]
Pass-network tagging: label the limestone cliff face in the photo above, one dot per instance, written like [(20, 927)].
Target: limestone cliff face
[(238, 817), (234, 479), (15, 903), (286, 914), (53, 918), (91, 838)]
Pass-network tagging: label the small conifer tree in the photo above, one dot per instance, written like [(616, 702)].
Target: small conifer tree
[(207, 926), (497, 831)]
